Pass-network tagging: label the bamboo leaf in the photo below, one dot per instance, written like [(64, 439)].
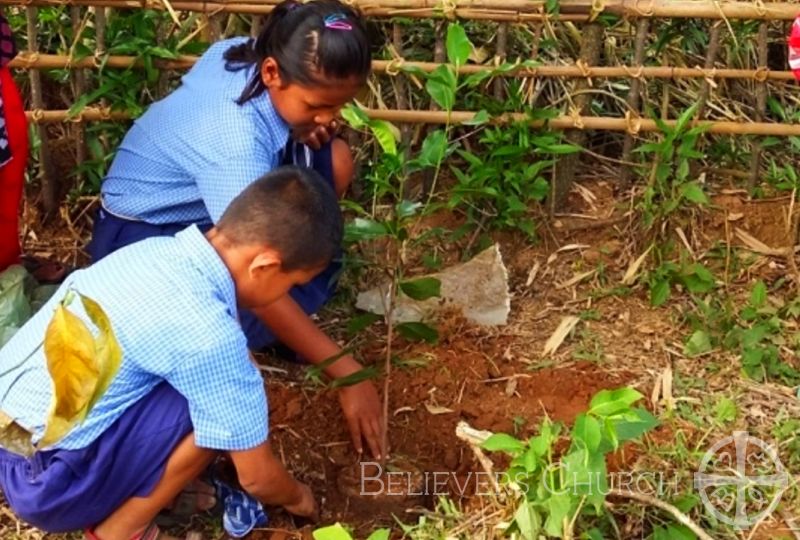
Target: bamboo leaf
[(107, 349), (70, 351), (14, 437)]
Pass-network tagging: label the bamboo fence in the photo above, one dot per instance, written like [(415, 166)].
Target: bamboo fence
[(494, 10), (583, 65)]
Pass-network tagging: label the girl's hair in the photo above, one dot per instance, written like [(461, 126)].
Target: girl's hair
[(313, 43)]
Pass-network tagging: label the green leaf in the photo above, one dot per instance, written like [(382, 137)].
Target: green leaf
[(422, 288), (588, 430), (633, 426), (417, 331), (332, 532), (559, 507), (360, 322), (699, 343), (559, 149), (758, 296), (441, 86), (673, 532), (528, 521), (609, 402), (354, 116), (691, 191), (686, 117), (406, 209), (480, 118), (725, 410), (380, 534), (386, 135), (364, 229), (503, 442), (458, 45), (659, 292), (434, 149)]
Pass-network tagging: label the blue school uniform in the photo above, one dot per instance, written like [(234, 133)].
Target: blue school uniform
[(189, 156), (185, 368)]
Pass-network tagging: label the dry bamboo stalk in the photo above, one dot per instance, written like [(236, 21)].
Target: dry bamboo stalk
[(566, 167), (500, 56), (711, 58), (78, 89), (162, 85), (31, 60), (401, 85), (458, 117), (761, 102), (46, 173), (100, 32), (634, 98), (498, 10)]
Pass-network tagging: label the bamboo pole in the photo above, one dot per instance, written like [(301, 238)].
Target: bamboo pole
[(458, 117), (711, 58), (761, 102), (78, 89), (46, 173), (567, 165), (497, 10), (501, 52), (401, 92), (634, 99), (32, 60)]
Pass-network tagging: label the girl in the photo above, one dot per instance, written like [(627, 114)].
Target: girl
[(229, 122)]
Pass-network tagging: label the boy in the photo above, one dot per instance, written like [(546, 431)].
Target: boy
[(186, 388)]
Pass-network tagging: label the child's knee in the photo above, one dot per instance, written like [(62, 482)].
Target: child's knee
[(343, 165)]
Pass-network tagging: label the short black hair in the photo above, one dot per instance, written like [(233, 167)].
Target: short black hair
[(308, 50), (292, 210)]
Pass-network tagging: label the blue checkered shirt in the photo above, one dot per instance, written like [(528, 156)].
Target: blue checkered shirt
[(191, 153), (172, 305)]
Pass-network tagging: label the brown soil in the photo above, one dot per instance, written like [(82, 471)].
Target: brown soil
[(463, 380)]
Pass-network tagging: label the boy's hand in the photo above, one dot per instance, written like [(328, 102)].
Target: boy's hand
[(362, 410), (306, 506)]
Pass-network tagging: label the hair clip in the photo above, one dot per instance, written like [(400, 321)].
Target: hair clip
[(337, 21), (293, 6)]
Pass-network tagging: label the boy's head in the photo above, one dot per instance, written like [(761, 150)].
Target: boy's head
[(281, 231)]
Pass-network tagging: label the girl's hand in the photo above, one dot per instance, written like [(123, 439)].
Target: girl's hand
[(362, 410), (306, 505), (318, 136)]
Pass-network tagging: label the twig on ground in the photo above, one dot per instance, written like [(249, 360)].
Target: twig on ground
[(679, 516)]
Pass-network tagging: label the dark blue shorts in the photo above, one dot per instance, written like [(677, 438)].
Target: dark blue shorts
[(112, 233), (67, 490)]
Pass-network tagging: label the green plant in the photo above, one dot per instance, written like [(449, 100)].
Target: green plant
[(555, 492), (694, 277), (338, 532), (758, 332), (498, 187), (670, 183)]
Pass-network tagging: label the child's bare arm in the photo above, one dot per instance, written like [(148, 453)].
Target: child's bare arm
[(264, 477), (360, 403)]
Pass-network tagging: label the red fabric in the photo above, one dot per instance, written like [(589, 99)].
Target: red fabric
[(12, 174), (794, 49)]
